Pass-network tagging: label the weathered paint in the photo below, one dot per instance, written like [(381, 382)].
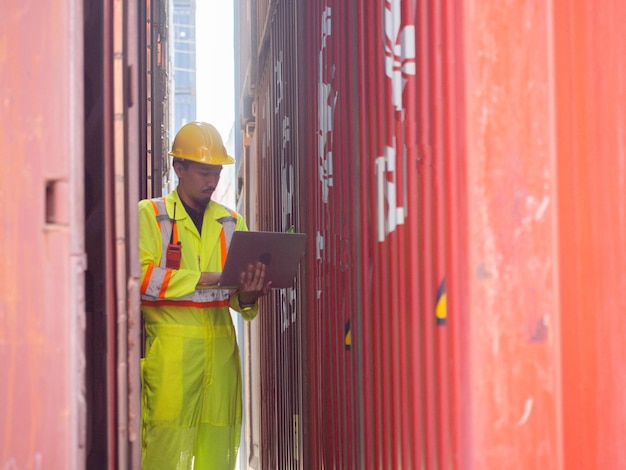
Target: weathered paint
[(460, 171), (512, 257), (348, 98), (70, 394), (588, 85), (42, 412)]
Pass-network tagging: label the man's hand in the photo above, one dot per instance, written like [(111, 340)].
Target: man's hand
[(252, 284), (209, 279)]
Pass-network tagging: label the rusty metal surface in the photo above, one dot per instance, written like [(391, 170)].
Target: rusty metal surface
[(590, 161), (512, 284), (136, 144), (461, 181), (348, 122), (41, 276), (281, 363)]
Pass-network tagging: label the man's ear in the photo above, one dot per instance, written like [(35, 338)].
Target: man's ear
[(178, 167)]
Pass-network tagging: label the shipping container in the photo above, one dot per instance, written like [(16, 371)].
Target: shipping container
[(457, 168), (84, 93), (42, 235)]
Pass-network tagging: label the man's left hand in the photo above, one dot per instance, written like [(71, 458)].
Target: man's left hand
[(252, 284)]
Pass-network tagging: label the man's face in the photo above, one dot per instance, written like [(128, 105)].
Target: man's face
[(197, 182)]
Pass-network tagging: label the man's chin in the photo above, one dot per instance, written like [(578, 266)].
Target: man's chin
[(204, 201)]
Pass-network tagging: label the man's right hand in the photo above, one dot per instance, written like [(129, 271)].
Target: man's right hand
[(209, 279)]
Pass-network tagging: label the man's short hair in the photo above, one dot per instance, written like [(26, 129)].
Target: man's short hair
[(184, 163)]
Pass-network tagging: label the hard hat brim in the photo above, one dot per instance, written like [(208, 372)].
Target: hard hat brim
[(205, 160)]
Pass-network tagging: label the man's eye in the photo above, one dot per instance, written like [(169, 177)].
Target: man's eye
[(206, 174)]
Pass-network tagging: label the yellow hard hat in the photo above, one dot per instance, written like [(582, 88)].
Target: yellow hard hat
[(200, 142)]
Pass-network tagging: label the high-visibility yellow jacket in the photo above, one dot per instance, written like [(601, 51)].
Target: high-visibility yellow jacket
[(191, 373)]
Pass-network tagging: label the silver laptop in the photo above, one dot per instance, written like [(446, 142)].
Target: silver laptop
[(279, 251)]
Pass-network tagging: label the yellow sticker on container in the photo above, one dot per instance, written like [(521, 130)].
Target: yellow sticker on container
[(441, 310)]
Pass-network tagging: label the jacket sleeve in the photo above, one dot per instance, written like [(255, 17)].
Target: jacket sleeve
[(156, 281), (251, 313), (248, 314)]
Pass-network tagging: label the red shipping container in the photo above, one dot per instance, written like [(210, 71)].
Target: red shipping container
[(458, 171)]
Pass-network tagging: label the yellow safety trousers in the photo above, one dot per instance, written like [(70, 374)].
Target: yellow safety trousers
[(191, 394)]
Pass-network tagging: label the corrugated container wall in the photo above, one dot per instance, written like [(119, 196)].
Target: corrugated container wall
[(42, 236), (73, 94), (458, 169), (336, 133)]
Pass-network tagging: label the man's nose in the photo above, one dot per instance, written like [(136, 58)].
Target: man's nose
[(212, 180)]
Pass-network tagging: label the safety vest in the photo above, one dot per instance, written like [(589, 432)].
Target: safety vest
[(158, 276)]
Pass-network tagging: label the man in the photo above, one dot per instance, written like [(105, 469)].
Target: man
[(191, 376)]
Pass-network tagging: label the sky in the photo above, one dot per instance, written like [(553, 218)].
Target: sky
[(215, 79), (215, 63)]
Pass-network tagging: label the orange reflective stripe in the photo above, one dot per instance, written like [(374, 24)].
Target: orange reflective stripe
[(166, 282), (184, 303), (146, 279), (223, 247)]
